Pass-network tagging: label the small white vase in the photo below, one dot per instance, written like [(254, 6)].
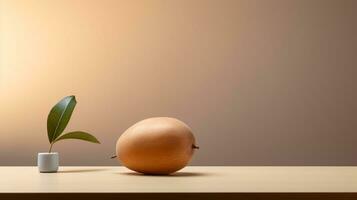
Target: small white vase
[(48, 162)]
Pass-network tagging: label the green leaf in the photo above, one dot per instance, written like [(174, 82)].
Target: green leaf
[(59, 117), (78, 135)]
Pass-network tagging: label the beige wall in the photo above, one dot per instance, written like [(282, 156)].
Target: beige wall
[(269, 82)]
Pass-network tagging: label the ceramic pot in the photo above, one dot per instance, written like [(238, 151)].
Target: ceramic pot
[(48, 162)]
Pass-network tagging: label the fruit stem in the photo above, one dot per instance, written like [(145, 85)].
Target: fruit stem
[(114, 156), (195, 147)]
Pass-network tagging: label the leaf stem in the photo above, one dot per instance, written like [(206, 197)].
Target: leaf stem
[(49, 151)]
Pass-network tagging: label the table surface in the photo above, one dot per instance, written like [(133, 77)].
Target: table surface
[(189, 180)]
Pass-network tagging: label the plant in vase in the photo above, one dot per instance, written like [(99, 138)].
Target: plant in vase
[(57, 121)]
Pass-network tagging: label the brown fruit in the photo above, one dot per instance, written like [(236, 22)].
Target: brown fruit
[(159, 145)]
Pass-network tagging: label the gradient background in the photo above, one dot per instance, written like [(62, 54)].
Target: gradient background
[(269, 82)]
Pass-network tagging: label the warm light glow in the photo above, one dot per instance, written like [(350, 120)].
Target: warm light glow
[(255, 80)]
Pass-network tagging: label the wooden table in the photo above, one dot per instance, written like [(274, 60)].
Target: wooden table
[(189, 183)]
